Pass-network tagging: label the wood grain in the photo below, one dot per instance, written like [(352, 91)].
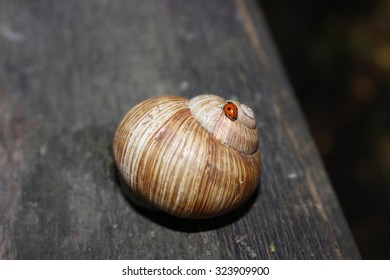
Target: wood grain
[(69, 70)]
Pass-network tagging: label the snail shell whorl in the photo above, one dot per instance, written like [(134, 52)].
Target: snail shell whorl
[(186, 157), (240, 135)]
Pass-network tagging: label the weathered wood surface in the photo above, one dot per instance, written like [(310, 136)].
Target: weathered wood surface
[(69, 70)]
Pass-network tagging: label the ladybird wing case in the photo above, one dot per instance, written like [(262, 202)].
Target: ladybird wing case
[(231, 110), (187, 157)]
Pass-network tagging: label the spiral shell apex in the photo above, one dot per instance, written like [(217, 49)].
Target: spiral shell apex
[(191, 158)]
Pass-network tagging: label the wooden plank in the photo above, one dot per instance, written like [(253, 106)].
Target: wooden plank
[(69, 70)]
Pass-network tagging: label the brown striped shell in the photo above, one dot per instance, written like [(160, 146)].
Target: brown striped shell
[(187, 157)]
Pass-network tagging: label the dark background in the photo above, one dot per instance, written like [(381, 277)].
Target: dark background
[(337, 56)]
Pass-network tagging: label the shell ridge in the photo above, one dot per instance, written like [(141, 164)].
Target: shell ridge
[(147, 149)]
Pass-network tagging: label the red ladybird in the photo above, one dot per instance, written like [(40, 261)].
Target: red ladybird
[(231, 110)]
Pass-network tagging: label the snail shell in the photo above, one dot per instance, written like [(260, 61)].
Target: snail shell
[(195, 158)]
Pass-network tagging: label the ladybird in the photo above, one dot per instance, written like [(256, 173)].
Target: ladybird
[(231, 110)]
